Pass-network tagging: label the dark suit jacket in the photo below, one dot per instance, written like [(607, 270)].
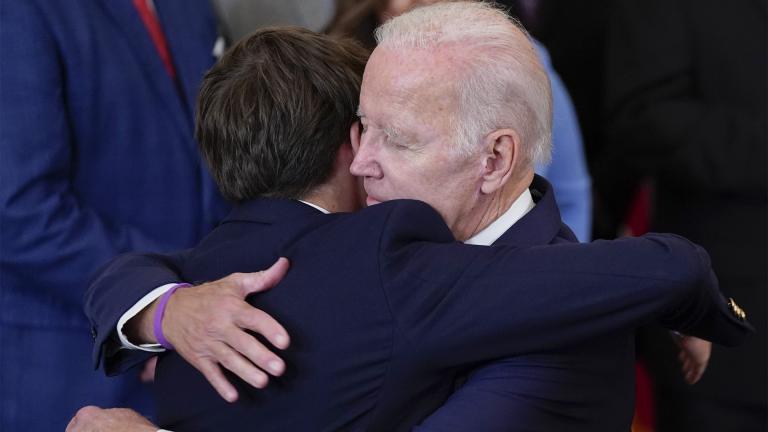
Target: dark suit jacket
[(385, 308), (97, 155), (579, 387)]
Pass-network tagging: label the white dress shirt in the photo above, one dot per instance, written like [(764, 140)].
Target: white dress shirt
[(522, 205)]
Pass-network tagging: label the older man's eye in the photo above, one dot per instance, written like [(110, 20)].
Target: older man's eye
[(399, 145)]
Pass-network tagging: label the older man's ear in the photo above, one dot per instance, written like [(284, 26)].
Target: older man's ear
[(354, 136), (503, 160)]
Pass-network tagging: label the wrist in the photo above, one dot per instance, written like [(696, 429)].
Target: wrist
[(158, 315), (139, 328)]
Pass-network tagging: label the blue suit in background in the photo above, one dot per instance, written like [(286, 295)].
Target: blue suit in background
[(97, 157), (385, 308), (568, 169)]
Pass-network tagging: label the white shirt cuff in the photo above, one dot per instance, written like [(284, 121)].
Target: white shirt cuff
[(133, 311), (163, 430)]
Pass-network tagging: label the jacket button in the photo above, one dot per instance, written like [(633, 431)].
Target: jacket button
[(739, 312)]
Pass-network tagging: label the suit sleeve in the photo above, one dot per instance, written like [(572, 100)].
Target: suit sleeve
[(458, 304), (657, 117), (50, 238), (116, 288)]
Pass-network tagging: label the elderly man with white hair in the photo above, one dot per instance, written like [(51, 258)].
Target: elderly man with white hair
[(455, 111)]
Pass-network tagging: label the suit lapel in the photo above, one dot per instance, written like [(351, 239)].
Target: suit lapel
[(128, 21), (541, 225)]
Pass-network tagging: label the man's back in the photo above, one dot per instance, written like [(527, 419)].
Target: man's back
[(349, 366), (325, 358)]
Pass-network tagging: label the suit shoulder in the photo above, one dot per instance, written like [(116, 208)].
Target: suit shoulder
[(401, 215), (408, 221)]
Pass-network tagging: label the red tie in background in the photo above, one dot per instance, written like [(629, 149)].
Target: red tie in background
[(156, 33)]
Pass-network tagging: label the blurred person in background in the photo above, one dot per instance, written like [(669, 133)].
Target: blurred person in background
[(685, 100), (567, 170), (575, 34), (97, 158), (238, 18)]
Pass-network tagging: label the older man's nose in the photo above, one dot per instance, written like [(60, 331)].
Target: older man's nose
[(364, 165)]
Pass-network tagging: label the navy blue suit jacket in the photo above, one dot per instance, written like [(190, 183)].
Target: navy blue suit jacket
[(582, 387), (385, 308), (97, 155)]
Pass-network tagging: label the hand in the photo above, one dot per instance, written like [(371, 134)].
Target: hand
[(694, 355), (95, 419), (208, 324)]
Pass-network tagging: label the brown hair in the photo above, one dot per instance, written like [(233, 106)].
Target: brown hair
[(272, 114)]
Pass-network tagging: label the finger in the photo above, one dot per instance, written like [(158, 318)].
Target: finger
[(72, 426), (262, 323), (687, 365), (241, 367), (686, 374), (212, 372), (700, 372), (693, 373), (254, 351), (256, 282), (82, 418), (690, 372), (694, 376)]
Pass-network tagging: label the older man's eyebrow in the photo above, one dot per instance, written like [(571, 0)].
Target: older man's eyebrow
[(397, 136), (392, 132)]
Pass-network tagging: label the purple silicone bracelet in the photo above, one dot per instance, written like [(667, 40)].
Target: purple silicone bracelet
[(160, 311)]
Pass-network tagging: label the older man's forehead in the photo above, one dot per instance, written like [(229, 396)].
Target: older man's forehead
[(409, 67), (409, 79)]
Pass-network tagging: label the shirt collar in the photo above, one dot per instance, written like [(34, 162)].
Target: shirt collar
[(522, 205), (315, 206)]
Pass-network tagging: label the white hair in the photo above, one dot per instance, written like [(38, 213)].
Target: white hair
[(503, 84)]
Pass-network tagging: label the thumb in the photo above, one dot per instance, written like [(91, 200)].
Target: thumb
[(264, 280)]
